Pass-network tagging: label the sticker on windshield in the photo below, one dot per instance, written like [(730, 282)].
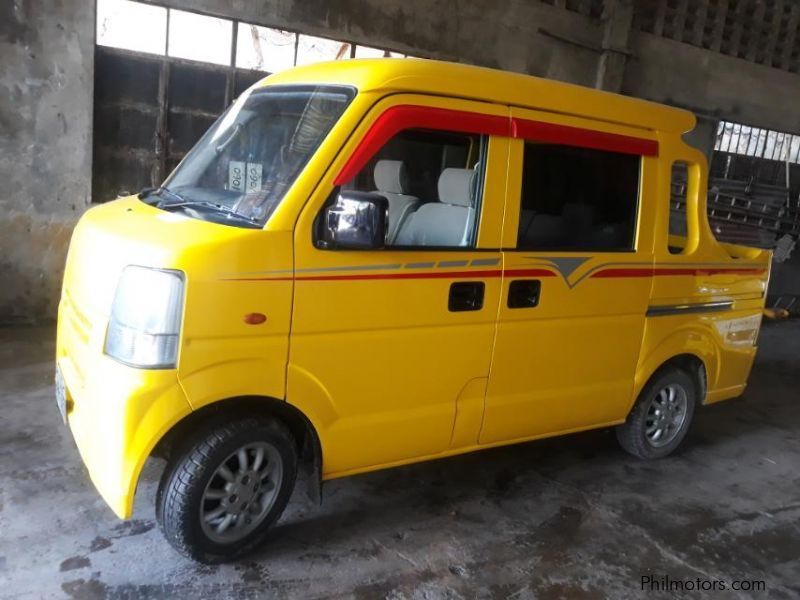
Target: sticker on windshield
[(253, 177), (236, 170)]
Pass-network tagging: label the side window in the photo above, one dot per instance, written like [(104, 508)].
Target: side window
[(578, 199), (433, 182), (677, 208)]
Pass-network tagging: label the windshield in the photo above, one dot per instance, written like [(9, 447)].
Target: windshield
[(241, 168)]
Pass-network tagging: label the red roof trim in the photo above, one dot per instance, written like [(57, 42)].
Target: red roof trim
[(398, 118), (540, 131)]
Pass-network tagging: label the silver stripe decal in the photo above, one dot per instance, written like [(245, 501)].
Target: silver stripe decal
[(480, 262), (484, 262), (452, 263), (352, 268), (687, 309)]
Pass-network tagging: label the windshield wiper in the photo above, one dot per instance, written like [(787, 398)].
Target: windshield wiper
[(183, 202), (145, 193), (158, 193), (162, 190)]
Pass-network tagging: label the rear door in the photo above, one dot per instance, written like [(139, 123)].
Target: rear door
[(578, 269), (390, 349)]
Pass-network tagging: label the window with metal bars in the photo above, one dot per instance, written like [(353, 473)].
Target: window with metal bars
[(736, 138)]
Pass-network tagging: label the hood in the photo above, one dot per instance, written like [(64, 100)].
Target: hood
[(129, 232)]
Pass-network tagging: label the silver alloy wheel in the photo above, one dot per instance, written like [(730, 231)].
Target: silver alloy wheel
[(665, 415), (241, 492)]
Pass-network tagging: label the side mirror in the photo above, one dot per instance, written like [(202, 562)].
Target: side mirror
[(355, 221)]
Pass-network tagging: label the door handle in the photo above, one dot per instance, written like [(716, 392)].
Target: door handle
[(466, 295), (524, 293)]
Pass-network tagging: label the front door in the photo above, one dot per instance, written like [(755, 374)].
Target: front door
[(390, 349), (577, 278)]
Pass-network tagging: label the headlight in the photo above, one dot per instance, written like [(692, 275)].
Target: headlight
[(145, 322)]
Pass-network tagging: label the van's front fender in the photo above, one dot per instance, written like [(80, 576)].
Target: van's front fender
[(237, 377)]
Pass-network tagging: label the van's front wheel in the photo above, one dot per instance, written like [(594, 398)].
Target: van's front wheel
[(227, 486), (661, 417)]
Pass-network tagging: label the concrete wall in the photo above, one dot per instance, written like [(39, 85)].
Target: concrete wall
[(505, 35), (712, 84), (539, 39), (47, 56), (46, 82)]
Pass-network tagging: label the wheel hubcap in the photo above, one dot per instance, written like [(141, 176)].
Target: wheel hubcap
[(666, 415), (241, 492)]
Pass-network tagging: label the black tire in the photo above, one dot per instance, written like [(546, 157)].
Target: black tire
[(190, 470), (632, 435)]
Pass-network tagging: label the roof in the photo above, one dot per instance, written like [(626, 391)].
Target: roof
[(490, 85)]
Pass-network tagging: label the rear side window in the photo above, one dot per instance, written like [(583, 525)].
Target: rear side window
[(578, 199)]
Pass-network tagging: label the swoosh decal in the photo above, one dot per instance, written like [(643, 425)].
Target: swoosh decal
[(550, 269)]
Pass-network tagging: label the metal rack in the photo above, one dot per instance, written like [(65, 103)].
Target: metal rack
[(745, 212)]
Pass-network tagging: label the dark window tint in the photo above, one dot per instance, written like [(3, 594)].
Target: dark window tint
[(577, 199)]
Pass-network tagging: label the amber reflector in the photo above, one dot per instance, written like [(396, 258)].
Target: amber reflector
[(254, 318)]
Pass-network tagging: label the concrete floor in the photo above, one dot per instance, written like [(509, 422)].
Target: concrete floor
[(565, 518)]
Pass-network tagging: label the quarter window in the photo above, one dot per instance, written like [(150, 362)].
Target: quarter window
[(433, 183), (677, 208), (577, 199)]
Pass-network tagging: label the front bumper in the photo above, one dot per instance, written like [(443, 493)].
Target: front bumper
[(117, 414)]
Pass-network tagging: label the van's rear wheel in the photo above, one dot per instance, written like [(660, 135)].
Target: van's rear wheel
[(223, 489), (661, 417)]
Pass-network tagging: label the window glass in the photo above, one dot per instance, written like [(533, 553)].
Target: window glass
[(577, 199), (264, 49), (367, 52), (241, 168), (677, 208), (312, 49), (433, 182), (132, 26), (198, 37)]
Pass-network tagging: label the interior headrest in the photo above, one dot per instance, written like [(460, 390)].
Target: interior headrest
[(455, 186), (390, 176)]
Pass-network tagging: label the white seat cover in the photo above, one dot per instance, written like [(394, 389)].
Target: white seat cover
[(446, 223), (392, 183)]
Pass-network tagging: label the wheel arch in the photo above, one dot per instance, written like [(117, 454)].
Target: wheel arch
[(300, 426), (694, 364)]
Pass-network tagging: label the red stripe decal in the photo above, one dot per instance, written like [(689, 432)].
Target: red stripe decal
[(610, 273), (661, 272), (405, 275), (583, 138), (528, 273), (737, 271), (647, 272), (469, 274), (398, 118)]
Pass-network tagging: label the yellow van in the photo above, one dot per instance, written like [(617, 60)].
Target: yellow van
[(371, 263)]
